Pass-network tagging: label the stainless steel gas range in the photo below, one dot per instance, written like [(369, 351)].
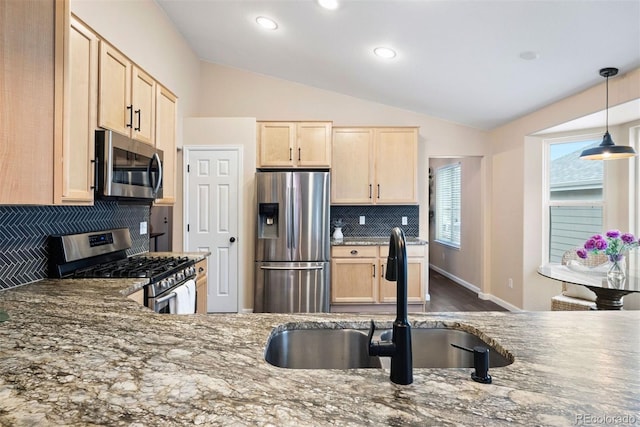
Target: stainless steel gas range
[(103, 254)]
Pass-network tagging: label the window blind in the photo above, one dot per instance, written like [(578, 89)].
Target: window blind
[(448, 195)]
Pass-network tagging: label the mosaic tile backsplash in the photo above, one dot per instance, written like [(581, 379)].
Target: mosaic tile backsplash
[(24, 231), (379, 220)]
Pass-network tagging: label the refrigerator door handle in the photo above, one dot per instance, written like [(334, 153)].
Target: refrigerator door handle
[(288, 217), (295, 224), (315, 267)]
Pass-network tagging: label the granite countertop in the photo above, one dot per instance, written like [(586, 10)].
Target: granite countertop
[(374, 241), (76, 352)]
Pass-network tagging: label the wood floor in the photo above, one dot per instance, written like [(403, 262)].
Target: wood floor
[(446, 295)]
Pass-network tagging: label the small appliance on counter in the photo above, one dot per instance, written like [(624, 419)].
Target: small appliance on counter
[(103, 254), (292, 242)]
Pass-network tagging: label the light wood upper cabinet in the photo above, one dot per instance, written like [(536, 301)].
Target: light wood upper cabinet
[(165, 137), (74, 171), (143, 98), (115, 111), (126, 96), (375, 166), (396, 165), (294, 144), (314, 145), (31, 102), (352, 171)]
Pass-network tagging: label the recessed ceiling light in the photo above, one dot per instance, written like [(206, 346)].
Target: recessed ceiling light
[(266, 23), (329, 4), (529, 55), (384, 52)]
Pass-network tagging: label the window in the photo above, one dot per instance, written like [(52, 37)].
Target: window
[(575, 196), (448, 204)]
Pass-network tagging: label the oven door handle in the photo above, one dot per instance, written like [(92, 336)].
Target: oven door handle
[(160, 300)]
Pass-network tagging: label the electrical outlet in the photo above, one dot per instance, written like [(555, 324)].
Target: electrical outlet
[(143, 228), (510, 283), (404, 220), (362, 221)]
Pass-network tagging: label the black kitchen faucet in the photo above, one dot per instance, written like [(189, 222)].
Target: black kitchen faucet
[(399, 349)]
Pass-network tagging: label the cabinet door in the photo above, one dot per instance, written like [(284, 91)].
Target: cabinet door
[(31, 44), (396, 166), (415, 276), (143, 97), (165, 137), (351, 173), (74, 175), (115, 111), (201, 286), (275, 144), (313, 145), (354, 280)]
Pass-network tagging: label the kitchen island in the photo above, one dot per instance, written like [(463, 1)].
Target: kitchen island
[(78, 352)]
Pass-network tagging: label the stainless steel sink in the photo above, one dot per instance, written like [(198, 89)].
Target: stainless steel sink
[(432, 348), (348, 349), (320, 349)]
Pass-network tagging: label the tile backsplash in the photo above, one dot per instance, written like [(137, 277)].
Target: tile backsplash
[(24, 231), (379, 220)]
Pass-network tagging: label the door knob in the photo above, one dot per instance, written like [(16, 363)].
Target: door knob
[(233, 239)]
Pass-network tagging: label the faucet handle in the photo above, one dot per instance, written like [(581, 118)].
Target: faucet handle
[(383, 349), (372, 329)]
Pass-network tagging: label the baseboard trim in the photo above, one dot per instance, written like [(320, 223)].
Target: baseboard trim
[(475, 289)]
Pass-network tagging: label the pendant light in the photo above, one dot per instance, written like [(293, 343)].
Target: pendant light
[(607, 150)]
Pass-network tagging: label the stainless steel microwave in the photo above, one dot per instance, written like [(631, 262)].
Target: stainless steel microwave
[(126, 168)]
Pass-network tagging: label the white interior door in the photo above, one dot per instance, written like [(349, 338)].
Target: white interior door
[(211, 200)]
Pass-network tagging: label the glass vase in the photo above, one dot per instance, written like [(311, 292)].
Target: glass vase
[(616, 275)]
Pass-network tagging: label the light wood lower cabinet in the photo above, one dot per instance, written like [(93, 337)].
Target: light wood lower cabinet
[(137, 296), (354, 278), (201, 286), (357, 275), (415, 276)]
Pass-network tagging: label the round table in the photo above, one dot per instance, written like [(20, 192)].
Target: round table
[(608, 296)]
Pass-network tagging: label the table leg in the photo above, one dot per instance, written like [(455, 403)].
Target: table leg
[(609, 299)]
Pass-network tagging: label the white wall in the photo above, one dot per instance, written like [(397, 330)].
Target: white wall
[(465, 263), (517, 186)]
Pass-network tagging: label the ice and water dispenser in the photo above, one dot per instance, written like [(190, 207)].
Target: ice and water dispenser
[(268, 220)]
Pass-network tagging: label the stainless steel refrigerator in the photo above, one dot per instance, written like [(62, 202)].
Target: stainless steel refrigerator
[(292, 242)]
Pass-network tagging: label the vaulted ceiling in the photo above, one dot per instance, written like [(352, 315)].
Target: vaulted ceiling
[(480, 63)]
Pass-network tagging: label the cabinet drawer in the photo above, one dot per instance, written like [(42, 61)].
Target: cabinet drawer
[(354, 251), (412, 251), (201, 268)]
